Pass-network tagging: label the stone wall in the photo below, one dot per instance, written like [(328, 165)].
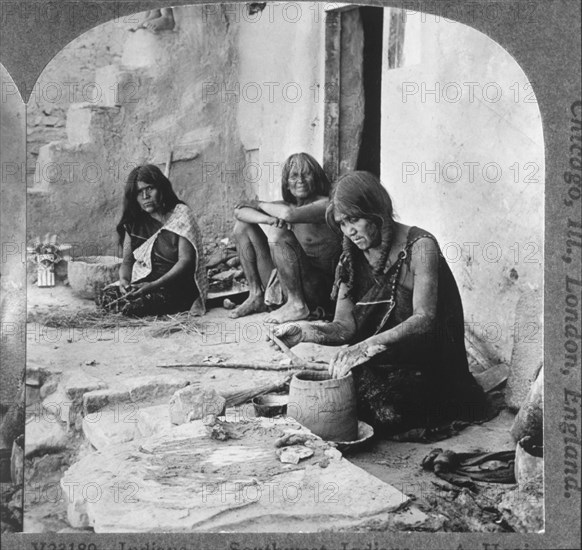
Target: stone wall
[(67, 79), (151, 106), (192, 93)]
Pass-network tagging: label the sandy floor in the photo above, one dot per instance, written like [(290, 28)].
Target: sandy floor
[(124, 353)]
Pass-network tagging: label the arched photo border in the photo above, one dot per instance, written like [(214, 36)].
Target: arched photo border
[(544, 40)]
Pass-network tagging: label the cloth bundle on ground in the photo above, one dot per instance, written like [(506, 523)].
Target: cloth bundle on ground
[(464, 468)]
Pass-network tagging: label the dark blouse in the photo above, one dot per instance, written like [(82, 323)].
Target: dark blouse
[(164, 253)]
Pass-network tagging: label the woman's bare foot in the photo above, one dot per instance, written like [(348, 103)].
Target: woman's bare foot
[(253, 304), (290, 311), (164, 21)]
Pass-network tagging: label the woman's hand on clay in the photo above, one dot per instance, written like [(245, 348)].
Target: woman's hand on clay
[(351, 356), (290, 334), (347, 358)]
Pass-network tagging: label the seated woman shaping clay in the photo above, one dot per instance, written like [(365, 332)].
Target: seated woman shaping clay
[(162, 270), (400, 312), (298, 250)]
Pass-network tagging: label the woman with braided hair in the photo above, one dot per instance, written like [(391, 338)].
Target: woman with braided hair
[(400, 312)]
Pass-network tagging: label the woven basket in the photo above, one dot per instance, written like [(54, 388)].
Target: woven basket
[(89, 274)]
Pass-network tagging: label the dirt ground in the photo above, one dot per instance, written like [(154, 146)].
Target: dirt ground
[(120, 354)]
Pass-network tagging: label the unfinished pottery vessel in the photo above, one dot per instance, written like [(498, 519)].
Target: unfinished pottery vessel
[(325, 405), (89, 274)]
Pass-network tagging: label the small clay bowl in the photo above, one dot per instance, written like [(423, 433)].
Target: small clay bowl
[(270, 404)]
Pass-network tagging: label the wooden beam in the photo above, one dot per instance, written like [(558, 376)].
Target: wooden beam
[(331, 95)]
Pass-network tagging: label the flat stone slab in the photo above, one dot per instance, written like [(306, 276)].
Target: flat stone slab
[(44, 434), (182, 480), (109, 427)]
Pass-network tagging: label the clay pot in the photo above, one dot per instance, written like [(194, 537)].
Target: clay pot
[(89, 274), (325, 405)]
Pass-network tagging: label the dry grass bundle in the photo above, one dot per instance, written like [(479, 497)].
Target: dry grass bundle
[(85, 319), (180, 322), (159, 326)]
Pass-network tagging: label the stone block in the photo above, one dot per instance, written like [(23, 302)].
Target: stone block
[(117, 86), (152, 420), (49, 387), (151, 388), (59, 405), (527, 354), (193, 403), (96, 400), (79, 383), (79, 117), (147, 50), (87, 123), (108, 427), (44, 434)]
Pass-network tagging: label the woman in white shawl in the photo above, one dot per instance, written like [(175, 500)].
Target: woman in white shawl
[(162, 270)]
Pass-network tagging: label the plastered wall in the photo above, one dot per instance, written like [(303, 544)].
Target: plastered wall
[(468, 166)]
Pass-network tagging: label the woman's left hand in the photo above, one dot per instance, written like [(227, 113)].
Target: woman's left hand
[(348, 358), (138, 290)]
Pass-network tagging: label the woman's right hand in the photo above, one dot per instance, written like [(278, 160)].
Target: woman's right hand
[(124, 286), (290, 334)]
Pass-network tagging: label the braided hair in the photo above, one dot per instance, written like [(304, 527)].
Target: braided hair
[(360, 195)]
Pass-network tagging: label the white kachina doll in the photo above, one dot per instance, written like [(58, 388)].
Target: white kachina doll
[(47, 256)]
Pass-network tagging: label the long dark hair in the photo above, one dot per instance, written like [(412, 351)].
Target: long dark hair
[(304, 163), (132, 212), (361, 195)]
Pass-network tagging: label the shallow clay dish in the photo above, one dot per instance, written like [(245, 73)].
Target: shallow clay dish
[(365, 432), (270, 404)]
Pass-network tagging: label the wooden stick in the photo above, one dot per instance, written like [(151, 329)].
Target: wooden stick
[(295, 360), (252, 366), (169, 164)]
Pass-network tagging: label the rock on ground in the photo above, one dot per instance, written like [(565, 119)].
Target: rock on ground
[(193, 403)]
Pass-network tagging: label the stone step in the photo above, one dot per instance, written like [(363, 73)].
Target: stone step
[(44, 434), (144, 49), (91, 123), (118, 85), (145, 389), (58, 162)]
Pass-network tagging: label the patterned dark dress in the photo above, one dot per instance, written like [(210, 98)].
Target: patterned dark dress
[(423, 381)]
